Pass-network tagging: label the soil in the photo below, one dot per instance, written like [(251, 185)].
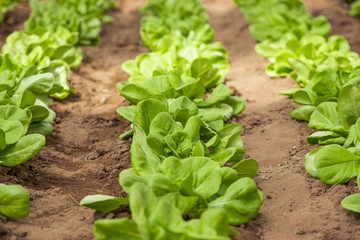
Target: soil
[(84, 154)]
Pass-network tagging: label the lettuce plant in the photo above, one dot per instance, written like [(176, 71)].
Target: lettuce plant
[(355, 8), (187, 163), (25, 115), (14, 201), (352, 202), (34, 65), (327, 72), (190, 59), (155, 218), (166, 20), (82, 18)]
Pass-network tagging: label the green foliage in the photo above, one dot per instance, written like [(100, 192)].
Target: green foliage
[(155, 218), (176, 163), (22, 124), (190, 60), (103, 203), (179, 33), (34, 65), (328, 74), (271, 19), (352, 202), (6, 6), (14, 201), (334, 164), (171, 21), (24, 149), (181, 142), (82, 18), (355, 8)]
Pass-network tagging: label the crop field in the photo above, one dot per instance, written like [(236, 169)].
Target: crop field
[(239, 119)]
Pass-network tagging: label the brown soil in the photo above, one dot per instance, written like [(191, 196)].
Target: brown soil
[(84, 154)]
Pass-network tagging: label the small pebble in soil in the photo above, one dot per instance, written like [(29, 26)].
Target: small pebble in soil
[(337, 227), (269, 197), (265, 177), (301, 232), (22, 175)]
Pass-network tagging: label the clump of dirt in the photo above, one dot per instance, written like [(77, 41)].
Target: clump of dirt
[(84, 154)]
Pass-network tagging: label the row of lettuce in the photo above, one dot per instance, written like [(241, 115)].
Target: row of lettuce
[(188, 178), (328, 73), (355, 7), (34, 66)]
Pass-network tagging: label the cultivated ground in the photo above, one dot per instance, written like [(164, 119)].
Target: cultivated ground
[(84, 154)]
